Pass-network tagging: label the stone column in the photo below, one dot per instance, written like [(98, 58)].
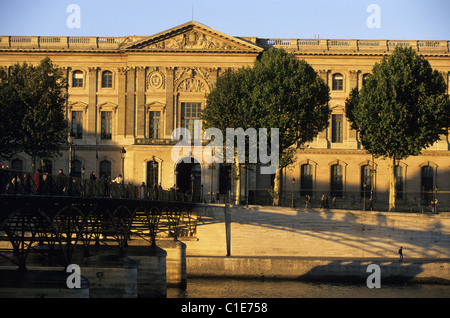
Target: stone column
[(122, 71), (352, 142), (353, 78), (130, 104), (322, 141), (170, 106), (140, 102), (91, 122)]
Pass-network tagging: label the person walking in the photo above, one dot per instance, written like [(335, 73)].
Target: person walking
[(400, 253), (322, 201)]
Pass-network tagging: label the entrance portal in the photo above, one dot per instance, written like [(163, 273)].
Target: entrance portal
[(189, 178)]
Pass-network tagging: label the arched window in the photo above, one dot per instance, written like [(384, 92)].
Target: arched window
[(427, 182), (107, 79), (306, 180), (398, 172), (337, 184), (365, 77), (105, 169), (366, 181), (77, 79), (17, 164), (338, 82)]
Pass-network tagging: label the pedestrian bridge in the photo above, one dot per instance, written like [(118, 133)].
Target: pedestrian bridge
[(56, 215)]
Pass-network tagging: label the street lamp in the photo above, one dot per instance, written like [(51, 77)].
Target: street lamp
[(202, 199), (435, 199), (211, 167), (122, 156), (192, 186), (293, 181), (364, 198), (71, 152)]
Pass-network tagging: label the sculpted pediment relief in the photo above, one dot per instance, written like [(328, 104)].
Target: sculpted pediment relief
[(193, 36)]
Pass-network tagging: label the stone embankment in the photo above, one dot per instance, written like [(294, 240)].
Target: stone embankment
[(274, 242)]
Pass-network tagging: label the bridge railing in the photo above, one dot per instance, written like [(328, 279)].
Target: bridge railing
[(13, 182)]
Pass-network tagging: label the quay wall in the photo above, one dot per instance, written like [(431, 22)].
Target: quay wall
[(281, 242)]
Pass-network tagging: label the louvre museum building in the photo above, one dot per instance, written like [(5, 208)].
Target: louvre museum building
[(128, 94)]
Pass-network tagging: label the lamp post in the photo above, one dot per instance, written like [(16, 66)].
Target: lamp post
[(435, 199), (364, 194), (122, 156), (192, 184), (246, 185), (211, 167), (71, 152), (293, 181), (202, 199)]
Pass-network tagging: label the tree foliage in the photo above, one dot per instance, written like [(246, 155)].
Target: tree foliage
[(279, 91), (32, 101), (402, 109)]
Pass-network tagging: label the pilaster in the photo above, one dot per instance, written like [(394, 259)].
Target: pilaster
[(140, 102), (122, 71), (130, 104), (91, 115), (170, 106)]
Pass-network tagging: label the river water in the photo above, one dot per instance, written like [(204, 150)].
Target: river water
[(239, 288)]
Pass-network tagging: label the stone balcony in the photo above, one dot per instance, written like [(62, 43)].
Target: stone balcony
[(60, 42), (317, 46), (306, 46)]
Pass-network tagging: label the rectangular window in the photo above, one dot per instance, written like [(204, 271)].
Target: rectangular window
[(306, 180), (189, 113), (106, 125), (336, 181), (77, 124), (366, 181), (155, 122), (338, 82), (336, 128), (107, 79)]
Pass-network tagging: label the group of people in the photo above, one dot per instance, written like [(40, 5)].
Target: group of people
[(324, 202), (15, 182)]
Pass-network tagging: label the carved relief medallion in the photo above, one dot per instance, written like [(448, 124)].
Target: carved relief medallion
[(155, 79)]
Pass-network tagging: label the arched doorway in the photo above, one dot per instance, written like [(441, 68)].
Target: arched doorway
[(189, 178)]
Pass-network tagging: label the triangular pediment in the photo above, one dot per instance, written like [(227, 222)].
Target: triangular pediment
[(193, 36)]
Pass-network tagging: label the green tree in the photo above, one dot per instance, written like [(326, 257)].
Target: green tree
[(279, 91), (36, 96), (288, 94), (402, 109), (10, 116), (227, 106)]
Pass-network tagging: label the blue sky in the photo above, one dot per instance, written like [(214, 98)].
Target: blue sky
[(337, 19)]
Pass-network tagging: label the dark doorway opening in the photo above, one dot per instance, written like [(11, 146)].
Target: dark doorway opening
[(189, 178)]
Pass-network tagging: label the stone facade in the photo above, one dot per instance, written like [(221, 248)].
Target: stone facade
[(127, 95)]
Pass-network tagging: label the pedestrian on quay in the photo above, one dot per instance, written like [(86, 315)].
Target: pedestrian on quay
[(400, 253), (322, 201)]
